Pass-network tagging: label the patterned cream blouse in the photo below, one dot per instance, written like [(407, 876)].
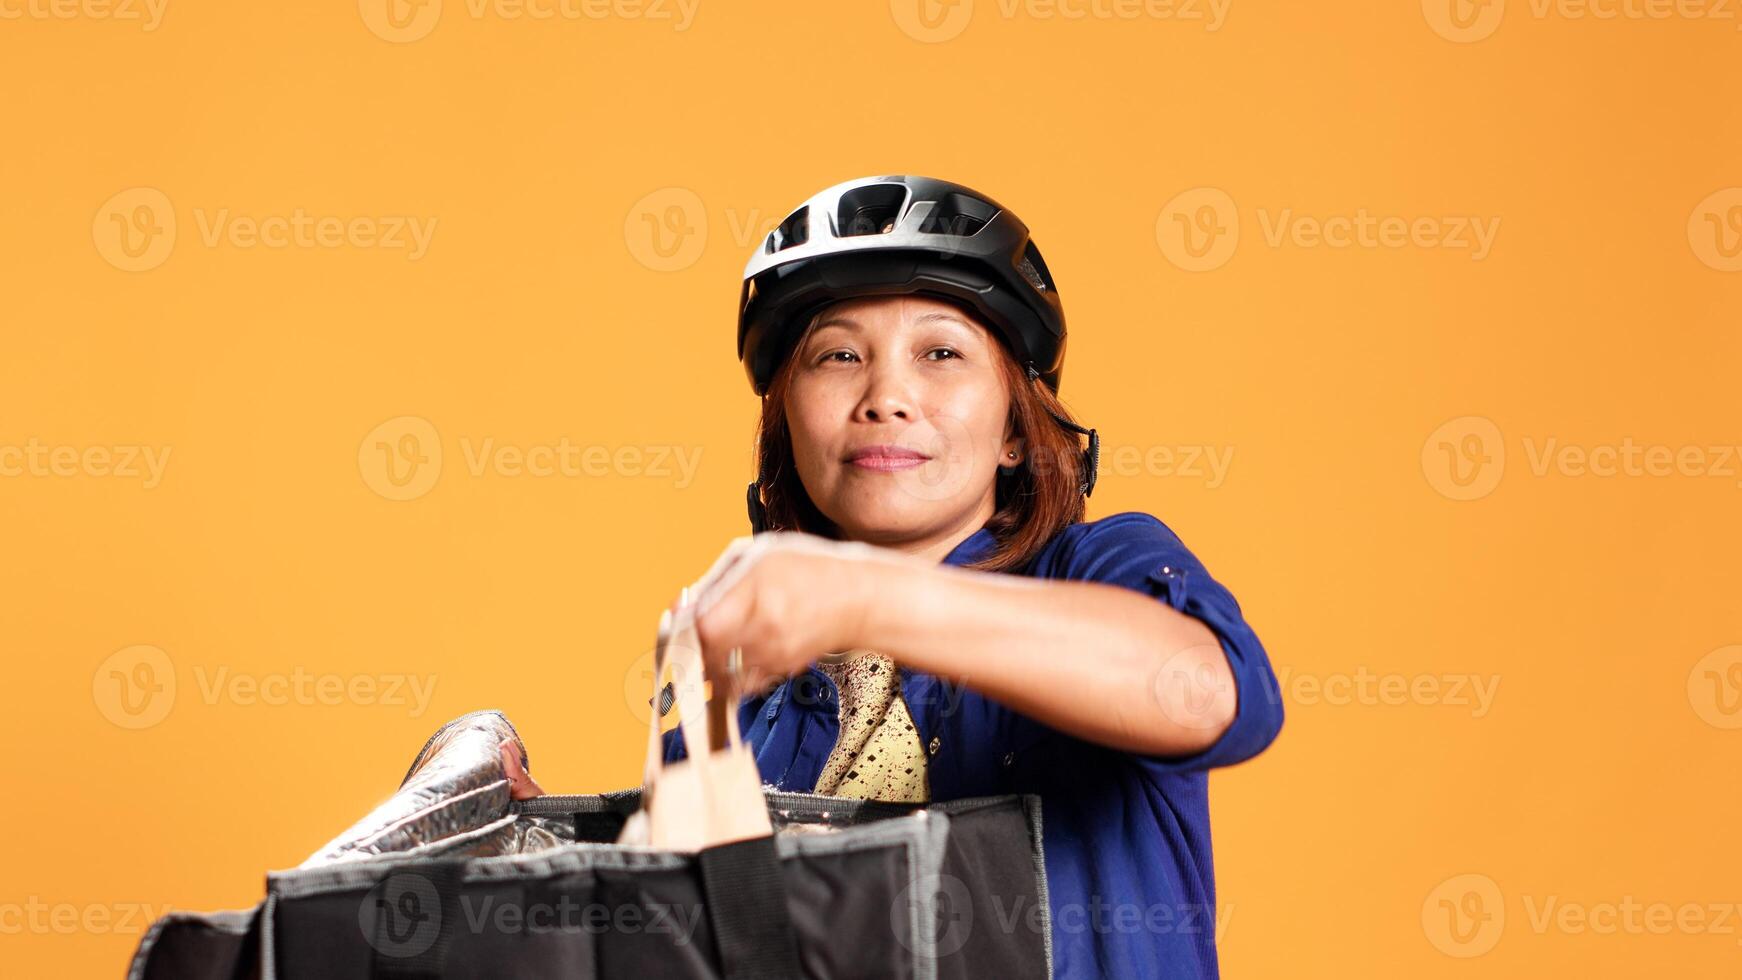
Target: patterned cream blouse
[(878, 755)]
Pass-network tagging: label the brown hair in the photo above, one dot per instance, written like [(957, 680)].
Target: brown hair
[(1042, 497)]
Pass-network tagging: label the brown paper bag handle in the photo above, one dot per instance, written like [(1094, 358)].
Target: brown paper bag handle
[(709, 725)]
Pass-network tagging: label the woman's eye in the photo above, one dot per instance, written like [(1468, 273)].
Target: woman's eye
[(843, 356)]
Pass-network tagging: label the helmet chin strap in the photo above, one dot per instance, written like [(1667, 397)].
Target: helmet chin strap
[(1091, 466), (1091, 456), (758, 513)]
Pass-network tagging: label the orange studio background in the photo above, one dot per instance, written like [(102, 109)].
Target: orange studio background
[(366, 364)]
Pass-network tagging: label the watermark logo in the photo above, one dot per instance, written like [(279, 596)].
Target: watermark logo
[(134, 687), (1715, 230), (1715, 688), (933, 915), (1632, 459), (1464, 458), (638, 685), (568, 459), (1464, 915), (410, 234), (955, 459), (1199, 229), (1453, 233), (147, 13), (670, 229), (1635, 10), (932, 21), (33, 916), (946, 439), (38, 460), (667, 230), (401, 458), (1102, 917), (134, 230), (1464, 21), (404, 21), (402, 916), (400, 21), (1209, 464), (1368, 688), (1191, 692)]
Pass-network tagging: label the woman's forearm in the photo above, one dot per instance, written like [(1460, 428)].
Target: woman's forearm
[(1096, 661)]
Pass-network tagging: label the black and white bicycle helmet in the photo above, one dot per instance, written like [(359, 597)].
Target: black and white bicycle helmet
[(904, 234)]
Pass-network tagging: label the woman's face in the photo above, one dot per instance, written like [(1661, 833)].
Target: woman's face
[(918, 377)]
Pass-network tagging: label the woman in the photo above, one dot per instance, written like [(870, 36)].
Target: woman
[(907, 340)]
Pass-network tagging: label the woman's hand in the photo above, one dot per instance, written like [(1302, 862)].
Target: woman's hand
[(785, 598)]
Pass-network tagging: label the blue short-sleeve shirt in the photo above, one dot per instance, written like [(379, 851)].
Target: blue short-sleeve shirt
[(1131, 882)]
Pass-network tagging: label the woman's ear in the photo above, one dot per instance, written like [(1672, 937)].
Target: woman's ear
[(1013, 443)]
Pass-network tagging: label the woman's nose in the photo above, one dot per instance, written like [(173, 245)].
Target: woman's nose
[(885, 403), (887, 395), (884, 412)]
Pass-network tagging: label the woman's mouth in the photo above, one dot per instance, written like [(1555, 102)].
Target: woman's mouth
[(886, 457)]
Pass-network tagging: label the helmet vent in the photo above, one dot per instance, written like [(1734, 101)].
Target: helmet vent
[(795, 230), (1033, 268), (870, 210), (957, 215)]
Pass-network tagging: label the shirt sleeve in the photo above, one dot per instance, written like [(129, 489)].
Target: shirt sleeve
[(672, 747), (1139, 552)]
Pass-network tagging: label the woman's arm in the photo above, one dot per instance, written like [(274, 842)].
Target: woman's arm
[(1101, 662)]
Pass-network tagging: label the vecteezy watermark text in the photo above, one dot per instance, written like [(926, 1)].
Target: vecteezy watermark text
[(1468, 21), (38, 459), (136, 230), (1465, 916), (937, 21), (1199, 229), (402, 458), (1369, 688), (148, 13), (136, 687), (1464, 458), (33, 916), (403, 916), (404, 21)]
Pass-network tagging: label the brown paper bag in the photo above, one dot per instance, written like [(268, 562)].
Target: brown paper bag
[(715, 795)]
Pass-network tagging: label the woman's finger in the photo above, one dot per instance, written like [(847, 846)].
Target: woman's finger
[(728, 558), (721, 626), (521, 785), (721, 585)]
